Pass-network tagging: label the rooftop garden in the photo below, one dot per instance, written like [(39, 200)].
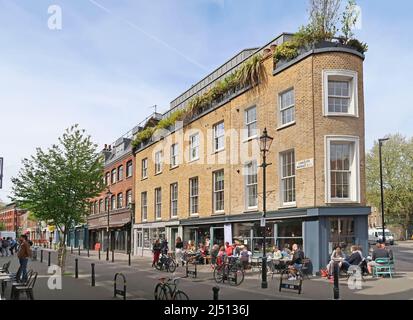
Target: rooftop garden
[(324, 26)]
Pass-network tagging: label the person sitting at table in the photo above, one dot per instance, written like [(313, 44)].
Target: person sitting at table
[(274, 258), (222, 254), (245, 257), (296, 261), (200, 254), (214, 254), (286, 251), (379, 252), (353, 260), (337, 254)]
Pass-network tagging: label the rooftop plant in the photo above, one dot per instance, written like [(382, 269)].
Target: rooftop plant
[(323, 26)]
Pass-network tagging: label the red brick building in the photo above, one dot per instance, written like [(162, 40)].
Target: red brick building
[(12, 217), (116, 200)]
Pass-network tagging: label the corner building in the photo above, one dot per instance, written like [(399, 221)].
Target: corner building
[(313, 107)]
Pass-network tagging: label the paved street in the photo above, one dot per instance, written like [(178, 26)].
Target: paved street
[(141, 280)]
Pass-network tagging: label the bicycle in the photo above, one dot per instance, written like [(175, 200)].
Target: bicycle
[(167, 289), (232, 271), (167, 263)]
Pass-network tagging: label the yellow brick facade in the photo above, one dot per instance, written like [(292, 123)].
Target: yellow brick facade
[(306, 137)]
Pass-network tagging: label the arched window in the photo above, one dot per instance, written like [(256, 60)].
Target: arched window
[(120, 173), (101, 205), (113, 203)]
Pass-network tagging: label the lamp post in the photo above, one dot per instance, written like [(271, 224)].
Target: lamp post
[(109, 195), (265, 144), (132, 214), (381, 141)]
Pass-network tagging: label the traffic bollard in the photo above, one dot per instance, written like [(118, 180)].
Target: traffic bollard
[(78, 250), (93, 274), (336, 289), (41, 256), (99, 253), (215, 290), (113, 256), (48, 264), (71, 249), (76, 268), (88, 254), (129, 262)]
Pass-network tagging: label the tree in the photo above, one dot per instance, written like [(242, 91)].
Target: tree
[(2, 226), (397, 154), (324, 16), (349, 20), (55, 185)]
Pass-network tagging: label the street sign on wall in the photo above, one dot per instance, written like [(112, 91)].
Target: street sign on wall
[(1, 172)]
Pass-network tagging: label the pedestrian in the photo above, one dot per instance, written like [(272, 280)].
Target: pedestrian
[(24, 254), (13, 245), (156, 250), (179, 245), (5, 245)]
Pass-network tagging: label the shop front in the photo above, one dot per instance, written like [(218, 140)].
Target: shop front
[(145, 235), (317, 231), (119, 230)]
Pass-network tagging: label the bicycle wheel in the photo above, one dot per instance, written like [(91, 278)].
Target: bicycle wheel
[(171, 265), (219, 273), (180, 295), (162, 292), (236, 276)]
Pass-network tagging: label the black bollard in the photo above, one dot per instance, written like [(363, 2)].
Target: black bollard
[(71, 249), (76, 269), (129, 258), (99, 253), (88, 254), (93, 274), (215, 290), (113, 255), (48, 263), (41, 256), (78, 250), (336, 289)]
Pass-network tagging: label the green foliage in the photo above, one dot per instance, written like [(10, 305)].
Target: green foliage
[(349, 20), (251, 72), (324, 16), (397, 179), (143, 135), (2, 226), (359, 46), (56, 184), (286, 51)]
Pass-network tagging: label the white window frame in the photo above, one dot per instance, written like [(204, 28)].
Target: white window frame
[(341, 75), (113, 173), (119, 200), (248, 124), (174, 199), (218, 138), (144, 206), (282, 178), (129, 164), (248, 169), (193, 196), (158, 162), (282, 108), (215, 192), (174, 155), (120, 173), (144, 171), (158, 203), (354, 183), (128, 198), (192, 147)]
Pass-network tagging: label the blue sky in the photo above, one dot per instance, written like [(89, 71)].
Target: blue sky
[(112, 60)]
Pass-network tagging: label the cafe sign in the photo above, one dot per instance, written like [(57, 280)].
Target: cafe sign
[(309, 163)]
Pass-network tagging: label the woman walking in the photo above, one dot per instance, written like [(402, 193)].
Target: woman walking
[(179, 245)]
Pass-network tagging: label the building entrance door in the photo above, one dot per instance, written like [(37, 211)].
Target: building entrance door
[(217, 236), (139, 243)]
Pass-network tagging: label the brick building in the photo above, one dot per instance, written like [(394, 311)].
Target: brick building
[(12, 218), (119, 172), (203, 181)]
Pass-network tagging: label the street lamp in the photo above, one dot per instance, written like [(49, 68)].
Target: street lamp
[(381, 141), (132, 214), (265, 144), (109, 195)]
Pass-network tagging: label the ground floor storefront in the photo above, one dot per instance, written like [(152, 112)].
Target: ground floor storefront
[(316, 230)]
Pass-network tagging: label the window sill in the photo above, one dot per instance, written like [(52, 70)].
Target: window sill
[(218, 151), (174, 218), (218, 213), (332, 114), (174, 167), (251, 210), (288, 206), (158, 219), (130, 177), (290, 124), (250, 139), (194, 215), (144, 178), (193, 160), (342, 201), (158, 173)]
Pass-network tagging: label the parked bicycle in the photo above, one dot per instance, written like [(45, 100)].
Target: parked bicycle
[(167, 289), (231, 271), (166, 262)]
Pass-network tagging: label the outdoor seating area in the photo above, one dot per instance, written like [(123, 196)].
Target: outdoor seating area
[(17, 287)]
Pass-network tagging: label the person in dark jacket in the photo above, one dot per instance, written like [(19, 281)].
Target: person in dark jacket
[(353, 260), (296, 261), (156, 250)]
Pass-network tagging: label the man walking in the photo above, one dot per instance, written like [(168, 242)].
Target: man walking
[(24, 254)]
